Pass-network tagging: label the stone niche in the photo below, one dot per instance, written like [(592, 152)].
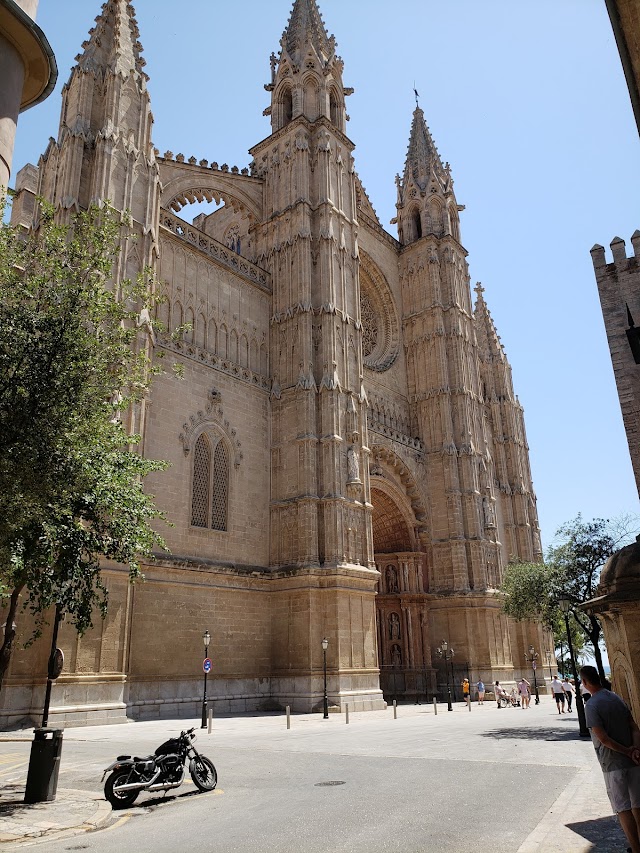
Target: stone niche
[(618, 608)]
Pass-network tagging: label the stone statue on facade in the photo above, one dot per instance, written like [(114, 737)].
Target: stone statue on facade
[(394, 627), (392, 579), (353, 465)]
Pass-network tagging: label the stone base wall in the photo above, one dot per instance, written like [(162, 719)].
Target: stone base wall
[(304, 694), (145, 660)]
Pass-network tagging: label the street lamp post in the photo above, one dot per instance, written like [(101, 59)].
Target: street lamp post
[(206, 639), (325, 700), (549, 657), (443, 651), (565, 606), (533, 658)]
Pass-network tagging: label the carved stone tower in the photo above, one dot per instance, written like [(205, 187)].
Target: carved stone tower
[(104, 150), (516, 499), (320, 507), (443, 370)]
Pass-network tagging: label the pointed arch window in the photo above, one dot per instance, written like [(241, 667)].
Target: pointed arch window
[(210, 484), (287, 106), (417, 224), (334, 109)]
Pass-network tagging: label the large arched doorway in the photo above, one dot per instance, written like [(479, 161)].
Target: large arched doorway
[(402, 601)]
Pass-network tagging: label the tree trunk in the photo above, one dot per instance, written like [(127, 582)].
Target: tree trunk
[(9, 633)]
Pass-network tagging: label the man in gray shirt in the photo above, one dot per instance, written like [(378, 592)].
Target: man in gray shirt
[(616, 738)]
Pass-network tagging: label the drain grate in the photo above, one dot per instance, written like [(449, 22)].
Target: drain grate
[(327, 784)]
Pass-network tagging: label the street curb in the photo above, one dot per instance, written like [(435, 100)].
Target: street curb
[(98, 819)]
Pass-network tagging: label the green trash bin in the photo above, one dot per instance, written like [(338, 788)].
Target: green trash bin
[(44, 766)]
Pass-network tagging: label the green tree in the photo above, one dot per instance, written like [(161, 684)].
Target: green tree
[(577, 557), (531, 592), (572, 570), (72, 358)]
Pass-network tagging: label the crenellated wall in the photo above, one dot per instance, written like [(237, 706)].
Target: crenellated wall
[(619, 288)]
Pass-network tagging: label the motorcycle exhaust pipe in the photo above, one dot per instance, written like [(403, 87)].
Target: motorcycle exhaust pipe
[(137, 786), (165, 786)]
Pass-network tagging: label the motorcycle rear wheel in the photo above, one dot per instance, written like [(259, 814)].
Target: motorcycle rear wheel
[(119, 799), (203, 773)]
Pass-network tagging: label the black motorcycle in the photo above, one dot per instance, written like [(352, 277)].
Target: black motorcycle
[(158, 772)]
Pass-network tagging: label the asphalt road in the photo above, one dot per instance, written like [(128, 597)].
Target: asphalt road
[(420, 783)]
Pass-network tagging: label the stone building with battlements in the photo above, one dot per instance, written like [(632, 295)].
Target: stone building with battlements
[(348, 456)]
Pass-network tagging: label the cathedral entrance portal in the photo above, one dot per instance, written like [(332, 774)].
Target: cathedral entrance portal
[(402, 602)]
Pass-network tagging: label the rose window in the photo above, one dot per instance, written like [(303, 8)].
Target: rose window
[(370, 327)]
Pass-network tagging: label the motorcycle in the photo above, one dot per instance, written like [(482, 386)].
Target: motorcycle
[(161, 771)]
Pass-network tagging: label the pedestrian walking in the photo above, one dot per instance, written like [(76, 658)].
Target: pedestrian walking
[(466, 691), (558, 693), (497, 692), (480, 689), (584, 692), (524, 689), (616, 738), (568, 692)]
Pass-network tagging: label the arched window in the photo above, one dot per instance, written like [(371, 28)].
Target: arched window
[(210, 484), (334, 109), (201, 482), (417, 224), (220, 487), (311, 100), (435, 218), (287, 106)]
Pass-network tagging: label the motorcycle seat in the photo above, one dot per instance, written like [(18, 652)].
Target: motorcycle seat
[(144, 758)]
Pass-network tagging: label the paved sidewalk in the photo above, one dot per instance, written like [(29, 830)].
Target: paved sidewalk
[(72, 812), (579, 820)]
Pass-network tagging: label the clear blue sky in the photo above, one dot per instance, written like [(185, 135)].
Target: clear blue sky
[(528, 103)]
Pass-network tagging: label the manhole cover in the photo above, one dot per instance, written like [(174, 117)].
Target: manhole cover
[(327, 784)]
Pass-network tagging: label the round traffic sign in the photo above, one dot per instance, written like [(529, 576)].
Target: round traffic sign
[(206, 664), (534, 664)]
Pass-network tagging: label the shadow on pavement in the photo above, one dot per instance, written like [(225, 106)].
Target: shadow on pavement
[(604, 833), (153, 803), (534, 734), (12, 800)]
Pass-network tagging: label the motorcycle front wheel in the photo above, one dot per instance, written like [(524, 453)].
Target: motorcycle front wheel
[(119, 799), (203, 773)]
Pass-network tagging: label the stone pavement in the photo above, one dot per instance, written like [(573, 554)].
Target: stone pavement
[(578, 821), (72, 812)]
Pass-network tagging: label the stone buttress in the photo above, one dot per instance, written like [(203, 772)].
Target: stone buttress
[(320, 508), (446, 392)]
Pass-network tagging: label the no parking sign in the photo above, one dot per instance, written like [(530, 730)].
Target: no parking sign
[(206, 664)]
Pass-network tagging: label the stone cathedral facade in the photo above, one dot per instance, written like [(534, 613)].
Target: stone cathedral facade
[(348, 456)]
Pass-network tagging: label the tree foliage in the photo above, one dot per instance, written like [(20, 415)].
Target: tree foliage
[(571, 571), (73, 358)]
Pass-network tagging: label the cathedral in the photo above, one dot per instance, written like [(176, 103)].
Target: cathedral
[(348, 458)]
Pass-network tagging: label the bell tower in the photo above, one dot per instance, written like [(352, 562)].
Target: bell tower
[(104, 149), (445, 395), (321, 539)]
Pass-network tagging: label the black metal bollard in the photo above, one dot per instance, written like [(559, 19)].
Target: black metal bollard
[(44, 766)]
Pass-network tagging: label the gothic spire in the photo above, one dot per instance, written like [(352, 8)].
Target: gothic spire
[(306, 28), (422, 155), (113, 43), (426, 201), (488, 337), (318, 91)]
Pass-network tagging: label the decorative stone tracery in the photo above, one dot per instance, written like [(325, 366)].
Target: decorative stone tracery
[(380, 330)]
